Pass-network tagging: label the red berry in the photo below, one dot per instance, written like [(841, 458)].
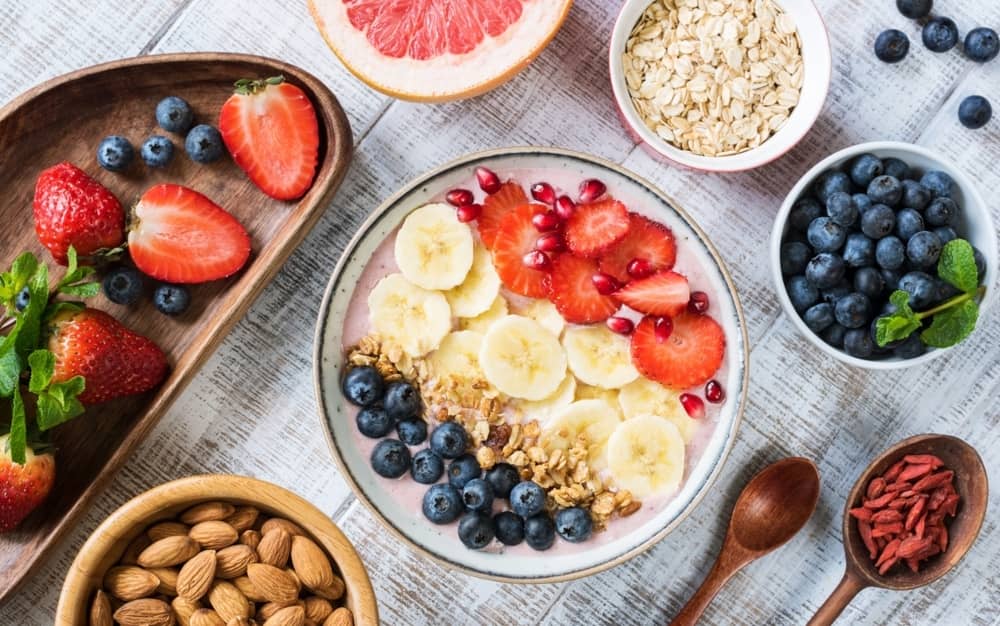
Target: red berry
[(459, 197), (698, 303), (689, 358), (565, 207), (550, 242), (507, 199), (570, 287), (537, 260), (544, 222), (591, 189), (515, 238), (666, 293), (640, 268), (543, 192), (596, 228), (469, 212), (488, 180), (646, 240), (621, 325), (663, 328), (605, 284), (693, 405), (714, 392)]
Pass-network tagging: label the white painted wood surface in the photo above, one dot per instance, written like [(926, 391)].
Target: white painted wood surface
[(251, 409)]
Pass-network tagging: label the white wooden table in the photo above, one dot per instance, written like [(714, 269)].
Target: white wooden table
[(251, 409)]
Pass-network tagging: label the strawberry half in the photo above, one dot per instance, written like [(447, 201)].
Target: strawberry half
[(23, 487), (514, 238), (595, 227), (495, 207), (688, 358), (571, 288), (647, 240), (180, 236), (666, 293), (270, 128)]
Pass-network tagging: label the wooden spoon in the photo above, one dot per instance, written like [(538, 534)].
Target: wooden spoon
[(860, 572), (774, 505)]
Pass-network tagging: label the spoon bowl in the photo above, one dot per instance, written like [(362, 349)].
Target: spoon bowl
[(775, 504)]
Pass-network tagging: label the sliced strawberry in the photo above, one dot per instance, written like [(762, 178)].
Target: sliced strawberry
[(270, 128), (647, 240), (596, 227), (515, 237), (688, 358), (180, 236), (666, 293), (495, 206), (571, 288)]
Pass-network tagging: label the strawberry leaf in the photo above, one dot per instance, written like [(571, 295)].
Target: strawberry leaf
[(18, 429), (58, 403)]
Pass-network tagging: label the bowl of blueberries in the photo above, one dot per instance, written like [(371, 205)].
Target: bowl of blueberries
[(884, 255)]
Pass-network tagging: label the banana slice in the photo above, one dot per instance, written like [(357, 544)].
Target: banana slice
[(485, 320), (646, 456), (591, 420), (599, 357), (589, 392), (543, 312), (648, 397), (543, 410), (479, 289), (457, 360), (522, 359), (408, 315), (433, 249)]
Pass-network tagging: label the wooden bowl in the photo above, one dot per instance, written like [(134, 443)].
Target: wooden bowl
[(107, 544)]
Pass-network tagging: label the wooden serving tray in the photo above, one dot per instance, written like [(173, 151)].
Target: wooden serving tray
[(65, 119)]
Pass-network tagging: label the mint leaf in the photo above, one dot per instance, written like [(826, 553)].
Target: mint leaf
[(43, 365), (952, 325), (29, 322), (957, 265), (13, 281), (18, 429), (72, 282), (10, 371), (899, 325), (59, 402)]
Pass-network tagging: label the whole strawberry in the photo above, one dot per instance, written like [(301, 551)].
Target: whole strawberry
[(73, 209), (113, 360), (23, 486)]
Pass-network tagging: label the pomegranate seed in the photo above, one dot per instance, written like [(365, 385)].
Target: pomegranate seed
[(639, 268), (693, 405), (537, 260), (469, 212), (544, 222), (621, 325), (550, 242), (604, 283), (543, 192), (459, 197), (488, 180), (591, 189), (663, 328), (714, 392), (698, 303), (565, 207)]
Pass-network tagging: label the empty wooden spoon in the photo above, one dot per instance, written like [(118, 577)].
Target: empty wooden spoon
[(970, 482), (774, 505)]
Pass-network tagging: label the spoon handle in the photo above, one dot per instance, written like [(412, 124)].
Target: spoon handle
[(849, 587), (724, 568)]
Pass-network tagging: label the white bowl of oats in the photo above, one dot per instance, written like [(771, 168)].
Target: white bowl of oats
[(719, 85)]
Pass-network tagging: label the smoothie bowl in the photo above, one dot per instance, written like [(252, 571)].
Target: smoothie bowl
[(530, 364)]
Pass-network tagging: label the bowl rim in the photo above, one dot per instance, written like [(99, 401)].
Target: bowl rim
[(324, 312), (842, 155), (140, 509), (735, 163)]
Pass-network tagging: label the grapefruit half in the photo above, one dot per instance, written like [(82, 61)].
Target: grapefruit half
[(437, 50)]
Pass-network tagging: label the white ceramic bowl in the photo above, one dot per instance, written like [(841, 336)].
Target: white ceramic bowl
[(816, 59), (401, 515), (975, 225)]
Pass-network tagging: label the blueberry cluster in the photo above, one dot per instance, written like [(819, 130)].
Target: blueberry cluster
[(124, 285), (859, 235), (469, 494)]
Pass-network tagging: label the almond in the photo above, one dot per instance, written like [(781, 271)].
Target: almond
[(288, 616), (144, 612), (100, 610), (166, 529), (196, 576), (213, 534), (206, 617), (274, 584), (168, 580), (332, 592), (317, 609), (168, 551), (244, 518), (268, 610), (133, 549), (207, 511), (250, 538), (277, 522), (248, 589), (275, 547), (233, 561), (240, 621), (228, 601), (295, 579), (311, 564), (340, 617), (184, 609), (130, 583)]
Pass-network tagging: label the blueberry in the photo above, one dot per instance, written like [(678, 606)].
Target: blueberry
[(449, 440), (426, 467), (831, 182), (475, 529), (527, 499), (477, 495), (123, 285), (539, 531), (463, 469), (869, 282), (22, 299), (363, 386), (908, 223), (859, 250), (974, 112), (830, 295), (981, 44), (853, 310), (443, 504), (502, 477), (886, 190), (171, 299), (914, 9), (174, 114), (938, 182), (803, 213), (373, 422), (818, 316), (204, 144), (910, 348), (825, 270), (858, 343), (940, 34), (945, 234), (890, 253), (944, 290), (862, 201), (402, 401), (897, 168), (825, 235), (980, 260), (509, 528), (115, 153), (802, 294), (390, 458), (840, 207), (915, 195), (864, 168), (921, 287), (891, 279), (794, 257), (412, 432), (833, 335), (574, 524), (878, 221), (941, 212), (891, 45), (157, 151), (923, 250)]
